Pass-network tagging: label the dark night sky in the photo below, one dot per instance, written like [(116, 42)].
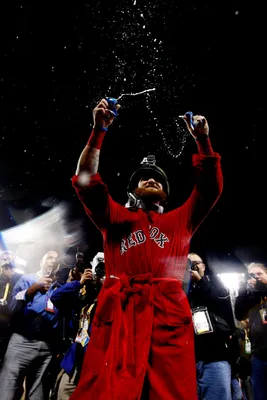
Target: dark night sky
[(58, 60)]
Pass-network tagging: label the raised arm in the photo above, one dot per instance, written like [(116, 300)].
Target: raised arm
[(25, 290), (209, 179), (66, 297), (89, 158), (198, 127), (92, 192)]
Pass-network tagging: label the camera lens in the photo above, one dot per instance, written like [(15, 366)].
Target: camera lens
[(100, 269), (252, 276)]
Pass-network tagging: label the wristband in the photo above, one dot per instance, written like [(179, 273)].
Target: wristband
[(202, 137), (96, 138), (204, 145)]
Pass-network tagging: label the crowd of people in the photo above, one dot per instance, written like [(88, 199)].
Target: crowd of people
[(129, 326)]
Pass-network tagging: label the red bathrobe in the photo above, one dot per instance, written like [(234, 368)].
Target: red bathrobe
[(142, 342)]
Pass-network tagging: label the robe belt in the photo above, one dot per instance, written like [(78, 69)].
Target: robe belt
[(126, 288)]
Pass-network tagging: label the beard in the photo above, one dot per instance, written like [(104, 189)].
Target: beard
[(149, 195)]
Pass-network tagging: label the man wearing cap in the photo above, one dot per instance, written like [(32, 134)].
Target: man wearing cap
[(142, 344)]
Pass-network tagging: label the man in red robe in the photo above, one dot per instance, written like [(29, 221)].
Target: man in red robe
[(142, 342)]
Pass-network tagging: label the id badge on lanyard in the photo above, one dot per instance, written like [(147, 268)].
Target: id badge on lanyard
[(49, 306), (201, 321), (82, 335), (263, 314)]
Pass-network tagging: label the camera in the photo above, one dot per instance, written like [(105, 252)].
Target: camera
[(100, 271), (79, 263), (192, 265), (259, 286), (62, 273), (252, 276), (98, 266)]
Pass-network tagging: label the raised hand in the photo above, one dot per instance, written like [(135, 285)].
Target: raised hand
[(103, 117), (197, 125), (44, 284), (86, 276)]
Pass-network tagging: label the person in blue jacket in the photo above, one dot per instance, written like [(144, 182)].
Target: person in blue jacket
[(36, 320), (79, 297)]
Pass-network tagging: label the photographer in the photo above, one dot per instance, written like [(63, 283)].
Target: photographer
[(8, 279), (35, 324), (251, 303), (213, 324), (8, 275), (78, 297)]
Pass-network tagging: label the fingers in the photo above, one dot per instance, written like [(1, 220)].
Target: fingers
[(47, 283), (88, 271), (101, 106), (188, 124), (88, 274), (109, 115), (194, 120), (251, 282), (196, 124), (105, 112), (104, 105), (199, 121), (190, 121)]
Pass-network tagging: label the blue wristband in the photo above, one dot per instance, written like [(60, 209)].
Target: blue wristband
[(100, 128)]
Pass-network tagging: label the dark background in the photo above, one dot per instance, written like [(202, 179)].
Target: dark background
[(58, 60)]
